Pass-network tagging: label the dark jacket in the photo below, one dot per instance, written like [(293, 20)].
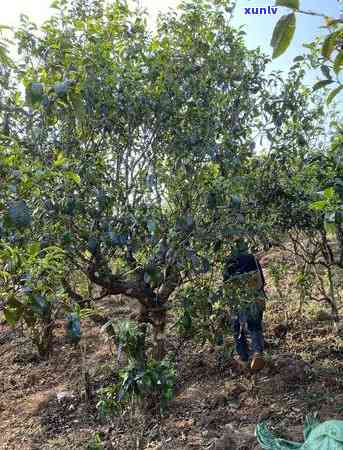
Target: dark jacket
[(242, 264)]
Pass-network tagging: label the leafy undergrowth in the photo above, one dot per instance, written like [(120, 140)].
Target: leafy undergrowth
[(215, 406)]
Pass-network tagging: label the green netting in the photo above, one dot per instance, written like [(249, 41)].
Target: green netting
[(318, 436)]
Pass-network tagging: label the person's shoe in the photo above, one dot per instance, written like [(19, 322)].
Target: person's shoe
[(257, 362)]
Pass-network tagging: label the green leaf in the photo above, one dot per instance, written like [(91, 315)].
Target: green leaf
[(321, 84), (326, 72), (60, 160), (12, 316), (34, 248), (298, 58), (55, 4), (338, 63), (333, 94), (4, 58), (329, 193), (329, 44), (78, 105), (294, 4), (283, 34), (319, 205), (72, 176), (330, 227), (66, 238), (13, 303)]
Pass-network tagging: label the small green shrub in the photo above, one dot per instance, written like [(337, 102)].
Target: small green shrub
[(95, 443), (32, 275), (278, 272), (129, 338), (154, 382)]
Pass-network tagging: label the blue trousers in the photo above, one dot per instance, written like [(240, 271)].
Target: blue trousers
[(248, 322)]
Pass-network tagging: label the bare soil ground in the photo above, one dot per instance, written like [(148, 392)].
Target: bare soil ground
[(215, 406)]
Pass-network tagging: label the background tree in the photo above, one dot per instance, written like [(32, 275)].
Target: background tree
[(298, 200), (330, 58)]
